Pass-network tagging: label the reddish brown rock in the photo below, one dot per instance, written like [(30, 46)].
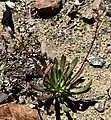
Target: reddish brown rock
[(12, 111), (48, 8), (47, 3)]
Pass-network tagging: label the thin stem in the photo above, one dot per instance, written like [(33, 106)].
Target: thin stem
[(92, 43)]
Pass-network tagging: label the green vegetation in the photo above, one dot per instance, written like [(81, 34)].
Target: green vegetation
[(61, 83)]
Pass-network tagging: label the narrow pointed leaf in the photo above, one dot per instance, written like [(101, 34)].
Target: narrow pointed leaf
[(55, 68), (52, 76), (81, 89), (68, 86), (51, 79), (62, 83), (60, 75), (60, 78), (48, 84), (45, 97), (62, 62), (41, 89), (71, 67), (77, 75), (56, 63)]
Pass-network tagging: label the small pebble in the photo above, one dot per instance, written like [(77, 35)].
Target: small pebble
[(96, 61), (21, 99), (100, 106)]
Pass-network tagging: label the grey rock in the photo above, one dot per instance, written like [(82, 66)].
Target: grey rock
[(96, 61), (100, 106), (3, 97)]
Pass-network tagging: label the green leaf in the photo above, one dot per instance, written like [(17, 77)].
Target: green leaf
[(48, 84), (51, 79), (62, 83), (68, 86), (77, 75), (52, 75), (62, 62), (71, 67), (60, 78), (81, 89), (60, 75), (65, 107), (55, 69)]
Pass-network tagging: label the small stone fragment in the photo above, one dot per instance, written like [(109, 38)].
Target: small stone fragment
[(96, 61), (21, 99)]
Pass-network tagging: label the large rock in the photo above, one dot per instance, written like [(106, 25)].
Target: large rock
[(48, 8)]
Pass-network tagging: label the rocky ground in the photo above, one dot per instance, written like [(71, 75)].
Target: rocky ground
[(66, 33)]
